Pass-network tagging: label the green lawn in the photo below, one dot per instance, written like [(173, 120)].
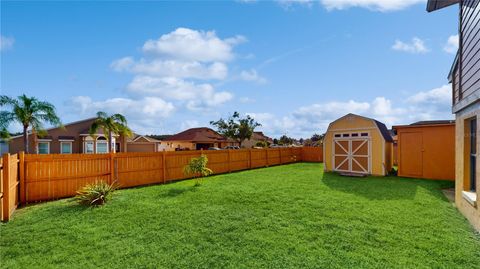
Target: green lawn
[(285, 216)]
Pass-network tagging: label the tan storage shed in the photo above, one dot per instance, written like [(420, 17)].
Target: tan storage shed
[(358, 145), (426, 149)]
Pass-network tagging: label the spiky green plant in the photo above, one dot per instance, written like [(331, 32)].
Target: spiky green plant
[(197, 167), (95, 194)]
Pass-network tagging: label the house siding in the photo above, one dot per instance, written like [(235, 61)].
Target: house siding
[(466, 81), (472, 213)]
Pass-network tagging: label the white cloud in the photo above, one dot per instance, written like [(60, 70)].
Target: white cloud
[(189, 124), (376, 5), (252, 75), (246, 100), (174, 66), (306, 120), (452, 44), (441, 95), (415, 46), (145, 107), (6, 42), (123, 64), (191, 45), (288, 4), (172, 88), (181, 69)]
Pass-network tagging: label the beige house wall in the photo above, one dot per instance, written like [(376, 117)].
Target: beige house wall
[(471, 212)]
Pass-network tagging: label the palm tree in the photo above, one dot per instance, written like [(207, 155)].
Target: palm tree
[(30, 113), (113, 124)]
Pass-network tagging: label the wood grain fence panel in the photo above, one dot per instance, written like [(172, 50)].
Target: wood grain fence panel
[(259, 158), (273, 156), (55, 176), (312, 154), (9, 181), (1, 189)]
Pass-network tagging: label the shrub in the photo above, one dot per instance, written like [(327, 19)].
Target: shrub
[(197, 167), (261, 144), (95, 194)]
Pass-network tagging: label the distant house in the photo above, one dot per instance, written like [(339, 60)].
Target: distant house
[(142, 143), (256, 137), (3, 147), (75, 138), (196, 139), (465, 78)]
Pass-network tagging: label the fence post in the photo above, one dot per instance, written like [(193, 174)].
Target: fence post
[(23, 187), (6, 187), (266, 156), (163, 167), (280, 153), (229, 166), (112, 168), (250, 158)]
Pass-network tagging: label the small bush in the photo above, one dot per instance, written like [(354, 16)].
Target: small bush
[(261, 144), (197, 167), (95, 194)]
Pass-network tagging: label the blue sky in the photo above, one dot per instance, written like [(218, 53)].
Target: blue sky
[(293, 65)]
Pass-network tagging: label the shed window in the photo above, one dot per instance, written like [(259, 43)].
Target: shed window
[(364, 134), (337, 135), (354, 135), (346, 135)]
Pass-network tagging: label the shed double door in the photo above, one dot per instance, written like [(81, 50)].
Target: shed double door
[(352, 155)]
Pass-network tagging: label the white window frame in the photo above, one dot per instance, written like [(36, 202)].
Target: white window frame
[(101, 142), (66, 142), (85, 143), (48, 147)]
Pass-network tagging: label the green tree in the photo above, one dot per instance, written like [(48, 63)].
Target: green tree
[(113, 124), (236, 127), (197, 167), (285, 140), (30, 113), (317, 137)]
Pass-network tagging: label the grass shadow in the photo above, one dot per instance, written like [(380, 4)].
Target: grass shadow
[(373, 188), (174, 192)]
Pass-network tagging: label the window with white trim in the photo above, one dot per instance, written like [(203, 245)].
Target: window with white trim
[(102, 145), (65, 147), (88, 147), (43, 147)]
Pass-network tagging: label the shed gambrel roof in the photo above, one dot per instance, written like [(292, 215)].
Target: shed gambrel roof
[(380, 125)]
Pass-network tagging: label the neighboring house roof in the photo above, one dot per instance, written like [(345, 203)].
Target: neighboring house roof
[(53, 128), (201, 134), (261, 136), (433, 5), (160, 137), (142, 138), (433, 122)]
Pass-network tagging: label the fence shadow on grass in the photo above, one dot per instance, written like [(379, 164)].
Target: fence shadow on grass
[(372, 188)]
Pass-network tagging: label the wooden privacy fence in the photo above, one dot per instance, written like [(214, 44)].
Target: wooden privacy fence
[(9, 165), (37, 177), (312, 154)]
